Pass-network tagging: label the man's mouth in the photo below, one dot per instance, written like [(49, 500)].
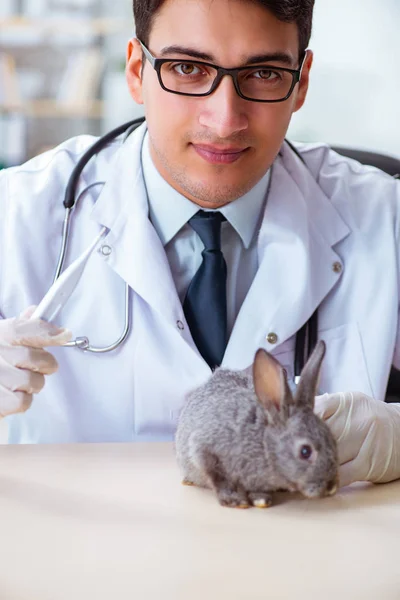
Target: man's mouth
[(219, 154)]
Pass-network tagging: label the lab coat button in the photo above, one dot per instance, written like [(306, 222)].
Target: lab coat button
[(180, 325), (106, 250), (337, 267), (272, 338)]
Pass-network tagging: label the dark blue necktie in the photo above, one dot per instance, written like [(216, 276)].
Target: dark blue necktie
[(205, 302)]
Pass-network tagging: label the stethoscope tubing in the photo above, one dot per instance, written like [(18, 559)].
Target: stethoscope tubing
[(98, 146), (70, 200)]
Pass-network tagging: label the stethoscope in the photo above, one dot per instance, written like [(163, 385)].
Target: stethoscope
[(306, 337)]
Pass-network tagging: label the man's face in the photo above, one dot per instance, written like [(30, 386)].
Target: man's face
[(214, 149)]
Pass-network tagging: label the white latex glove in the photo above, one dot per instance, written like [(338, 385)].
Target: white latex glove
[(368, 435), (23, 362)]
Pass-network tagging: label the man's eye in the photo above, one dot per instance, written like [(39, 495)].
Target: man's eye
[(186, 69), (264, 74)]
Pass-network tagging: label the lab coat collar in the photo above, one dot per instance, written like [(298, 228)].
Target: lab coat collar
[(322, 215), (137, 253), (298, 265), (124, 190)]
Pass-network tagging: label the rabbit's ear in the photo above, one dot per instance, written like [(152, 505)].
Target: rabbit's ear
[(270, 383), (308, 384)]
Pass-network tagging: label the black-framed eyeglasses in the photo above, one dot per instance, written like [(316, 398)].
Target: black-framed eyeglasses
[(260, 83)]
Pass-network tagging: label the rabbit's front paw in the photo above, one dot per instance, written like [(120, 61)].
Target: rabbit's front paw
[(260, 499), (232, 498)]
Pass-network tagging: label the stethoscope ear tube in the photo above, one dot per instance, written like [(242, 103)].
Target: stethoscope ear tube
[(70, 192)]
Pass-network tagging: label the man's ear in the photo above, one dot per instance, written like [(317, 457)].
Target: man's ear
[(304, 81), (133, 70)]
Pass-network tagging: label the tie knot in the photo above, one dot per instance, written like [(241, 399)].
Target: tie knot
[(208, 227)]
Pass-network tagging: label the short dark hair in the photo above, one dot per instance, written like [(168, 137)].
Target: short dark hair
[(288, 11)]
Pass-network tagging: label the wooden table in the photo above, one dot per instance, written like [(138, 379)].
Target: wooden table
[(113, 522)]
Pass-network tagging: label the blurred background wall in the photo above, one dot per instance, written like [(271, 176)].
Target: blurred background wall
[(354, 94), (62, 61)]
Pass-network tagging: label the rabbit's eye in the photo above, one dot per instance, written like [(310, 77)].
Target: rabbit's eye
[(305, 451)]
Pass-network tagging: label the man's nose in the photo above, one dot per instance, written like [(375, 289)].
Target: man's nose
[(224, 111)]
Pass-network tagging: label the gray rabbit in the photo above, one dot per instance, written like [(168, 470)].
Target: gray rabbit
[(246, 437)]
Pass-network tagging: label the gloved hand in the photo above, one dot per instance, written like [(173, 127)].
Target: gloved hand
[(368, 435), (23, 362)]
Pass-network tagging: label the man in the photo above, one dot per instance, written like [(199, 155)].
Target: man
[(275, 240)]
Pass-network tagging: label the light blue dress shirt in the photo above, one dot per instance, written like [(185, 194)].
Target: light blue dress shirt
[(169, 212)]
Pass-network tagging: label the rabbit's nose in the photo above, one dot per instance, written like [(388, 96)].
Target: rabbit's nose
[(331, 487)]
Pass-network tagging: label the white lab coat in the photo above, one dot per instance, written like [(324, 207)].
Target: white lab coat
[(329, 238)]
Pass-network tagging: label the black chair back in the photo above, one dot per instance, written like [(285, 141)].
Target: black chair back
[(388, 164)]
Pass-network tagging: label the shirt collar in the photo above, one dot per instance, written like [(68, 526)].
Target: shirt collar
[(169, 210)]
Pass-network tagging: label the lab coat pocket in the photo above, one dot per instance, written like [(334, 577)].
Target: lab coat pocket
[(344, 367)]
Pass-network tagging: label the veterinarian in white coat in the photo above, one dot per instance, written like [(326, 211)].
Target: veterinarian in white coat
[(324, 235)]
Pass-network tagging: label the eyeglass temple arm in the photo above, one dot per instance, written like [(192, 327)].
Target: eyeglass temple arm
[(302, 62), (147, 54)]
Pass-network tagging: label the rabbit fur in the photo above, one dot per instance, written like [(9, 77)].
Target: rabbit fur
[(246, 436)]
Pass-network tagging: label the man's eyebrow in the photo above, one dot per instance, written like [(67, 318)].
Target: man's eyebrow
[(183, 51), (270, 57)]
